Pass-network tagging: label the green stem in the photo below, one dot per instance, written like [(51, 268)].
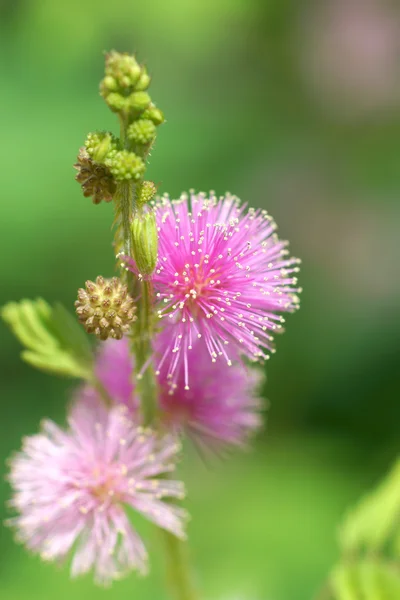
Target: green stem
[(142, 348), (179, 574)]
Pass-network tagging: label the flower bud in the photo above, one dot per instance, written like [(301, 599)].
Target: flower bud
[(144, 81), (144, 239), (139, 101), (101, 145), (144, 193), (142, 131), (122, 68), (96, 180), (125, 165), (105, 308), (116, 102), (154, 114)]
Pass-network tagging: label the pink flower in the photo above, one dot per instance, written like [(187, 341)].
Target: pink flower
[(220, 409), (222, 276), (71, 488)]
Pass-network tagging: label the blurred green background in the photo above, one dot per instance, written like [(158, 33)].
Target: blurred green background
[(295, 107)]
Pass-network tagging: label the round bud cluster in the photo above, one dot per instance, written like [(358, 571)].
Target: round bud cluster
[(125, 165), (125, 83), (145, 193), (105, 308), (101, 145), (96, 179), (142, 132)]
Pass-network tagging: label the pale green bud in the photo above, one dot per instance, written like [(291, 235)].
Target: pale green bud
[(145, 193), (123, 68), (116, 102), (144, 239), (144, 81), (139, 101), (125, 165), (154, 114), (101, 145), (142, 131)]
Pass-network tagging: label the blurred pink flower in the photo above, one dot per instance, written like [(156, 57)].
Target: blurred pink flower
[(220, 409), (350, 51), (70, 488)]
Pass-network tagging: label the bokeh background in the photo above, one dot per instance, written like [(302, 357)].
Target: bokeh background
[(295, 107)]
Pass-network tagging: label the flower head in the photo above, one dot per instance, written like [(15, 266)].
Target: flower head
[(105, 308), (220, 410), (71, 487), (222, 276)]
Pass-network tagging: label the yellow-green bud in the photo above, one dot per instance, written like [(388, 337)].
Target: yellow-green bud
[(154, 114), (125, 165), (139, 101), (144, 238), (123, 68), (145, 193), (142, 131), (105, 308), (116, 102), (101, 145), (144, 81)]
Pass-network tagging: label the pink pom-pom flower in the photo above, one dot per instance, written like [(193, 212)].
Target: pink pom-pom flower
[(71, 488), (222, 277)]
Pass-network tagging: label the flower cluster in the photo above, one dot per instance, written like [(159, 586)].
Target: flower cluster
[(205, 282), (222, 277)]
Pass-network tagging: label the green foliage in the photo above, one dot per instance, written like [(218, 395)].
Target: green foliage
[(53, 340), (366, 580), (375, 522)]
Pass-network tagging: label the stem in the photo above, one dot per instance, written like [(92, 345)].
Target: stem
[(179, 574), (142, 348), (178, 571)]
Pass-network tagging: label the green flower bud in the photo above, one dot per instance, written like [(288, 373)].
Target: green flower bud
[(95, 178), (123, 68), (145, 193), (142, 131), (144, 239), (144, 81), (125, 165), (116, 102), (154, 114), (139, 101), (101, 145), (105, 308)]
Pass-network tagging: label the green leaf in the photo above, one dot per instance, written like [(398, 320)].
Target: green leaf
[(367, 579), (376, 520), (53, 339)]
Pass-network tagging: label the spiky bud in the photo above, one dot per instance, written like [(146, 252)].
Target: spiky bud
[(144, 239), (105, 308), (122, 71), (142, 132), (125, 165), (154, 114), (144, 193), (101, 145), (96, 179)]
